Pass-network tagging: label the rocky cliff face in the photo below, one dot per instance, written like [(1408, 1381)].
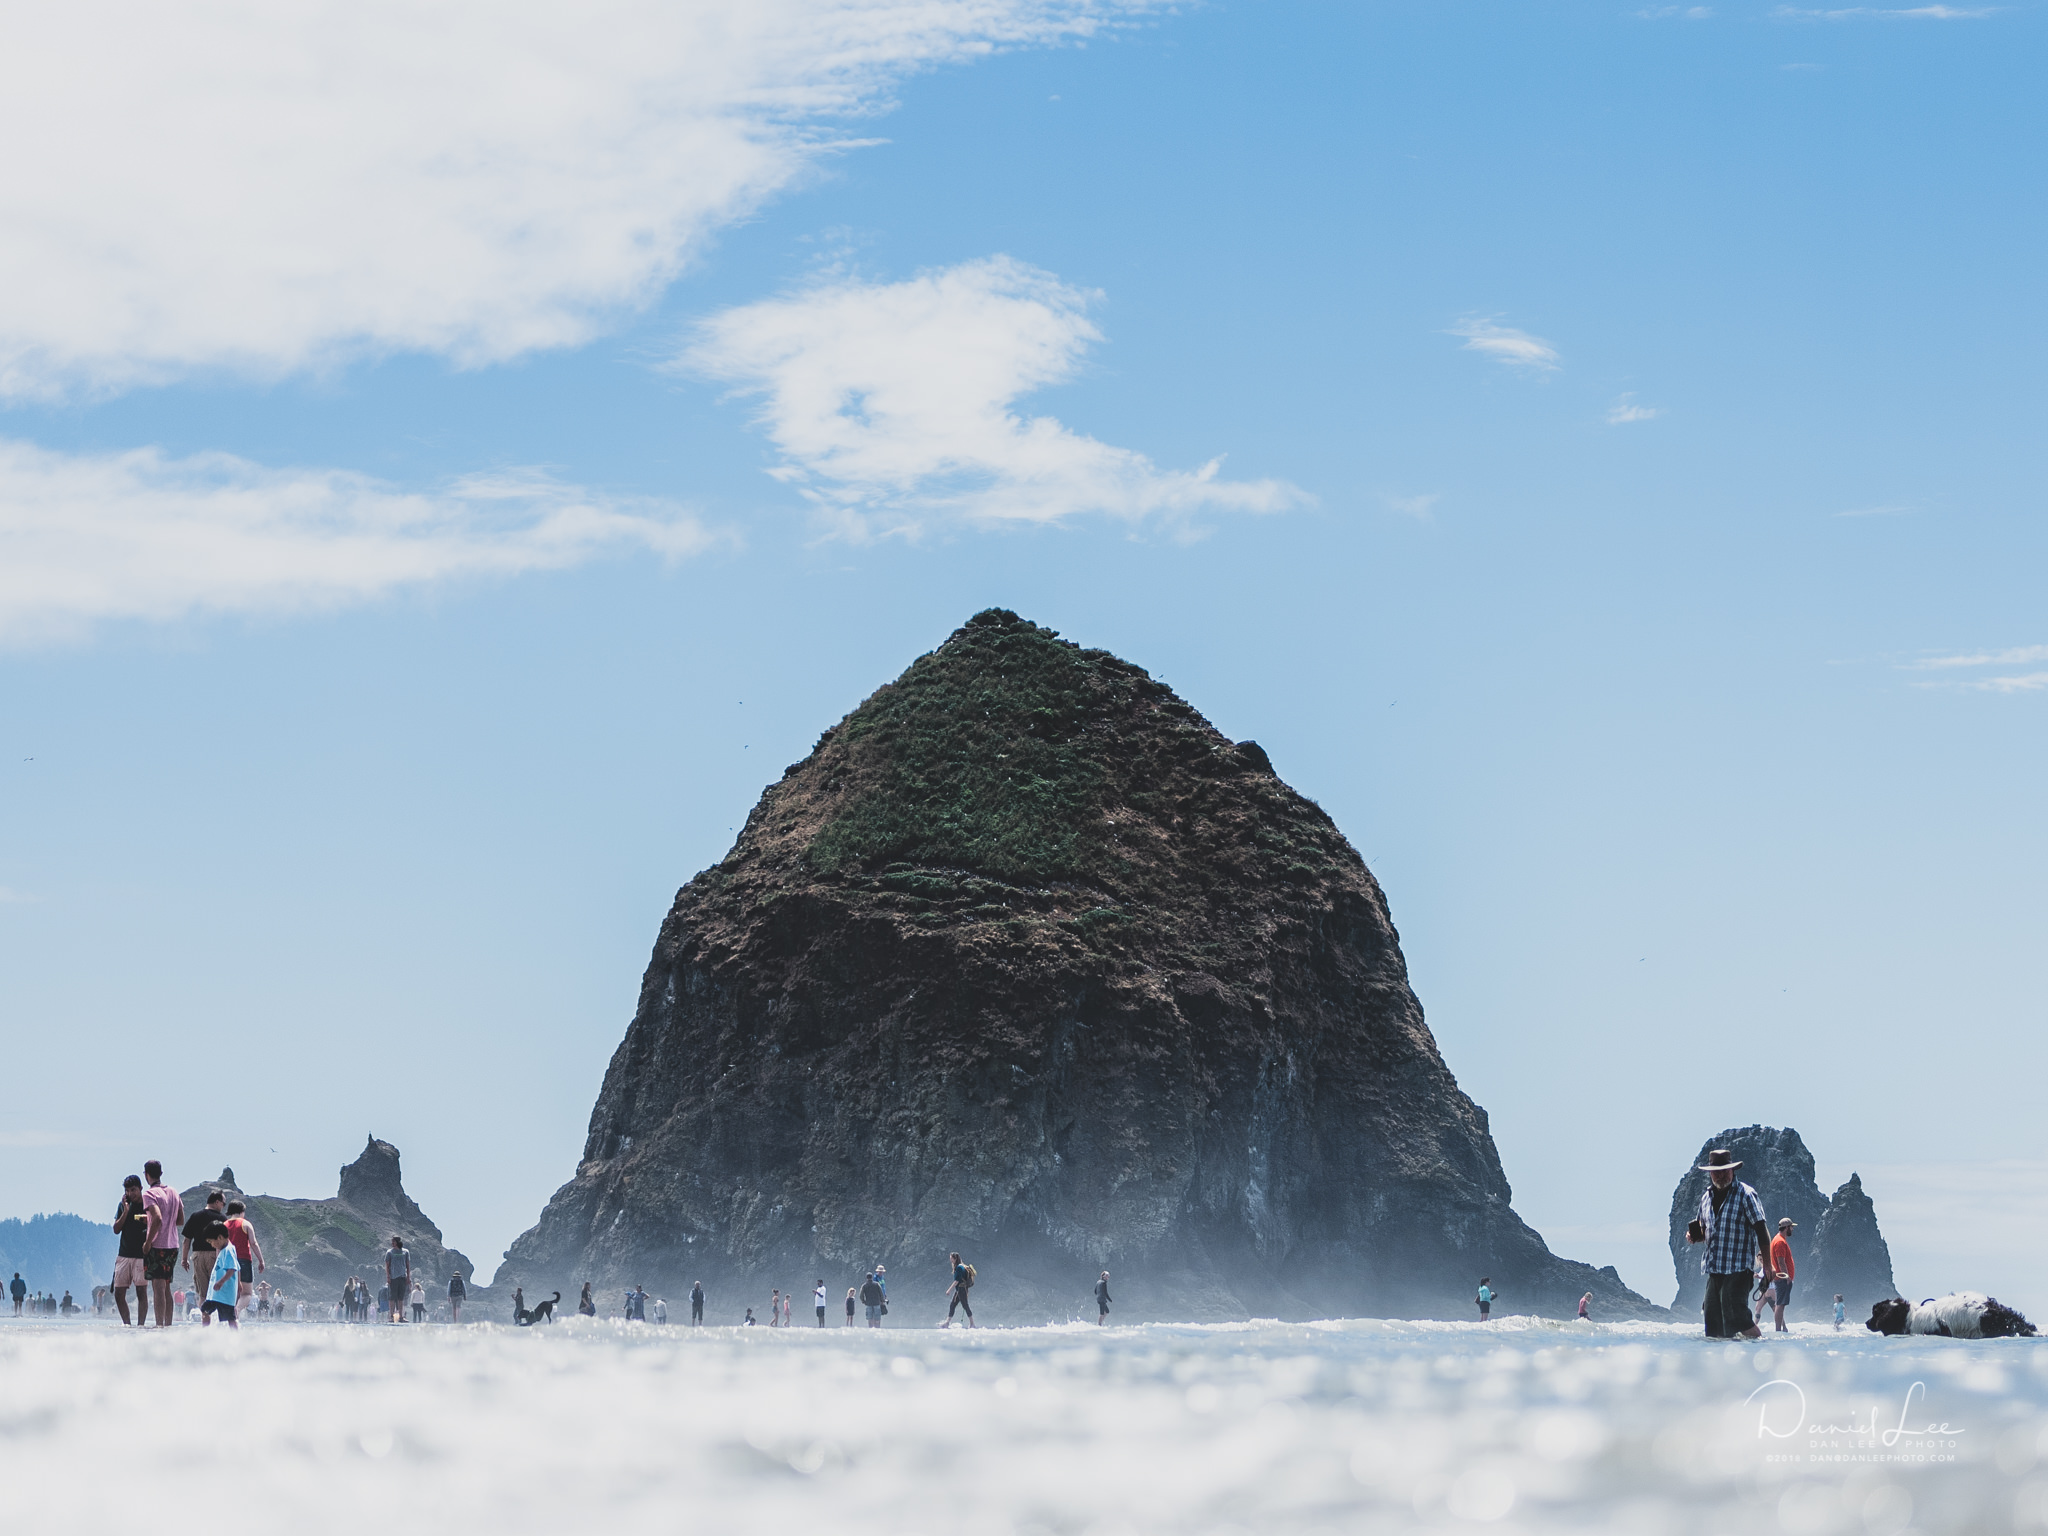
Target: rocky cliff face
[(1849, 1255), (1027, 960), (1835, 1247), (312, 1246)]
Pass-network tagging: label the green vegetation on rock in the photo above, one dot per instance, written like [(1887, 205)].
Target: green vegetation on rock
[(986, 755)]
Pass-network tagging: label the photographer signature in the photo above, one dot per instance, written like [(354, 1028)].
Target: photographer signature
[(1866, 1429)]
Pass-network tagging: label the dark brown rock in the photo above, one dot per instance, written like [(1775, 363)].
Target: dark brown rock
[(1027, 960)]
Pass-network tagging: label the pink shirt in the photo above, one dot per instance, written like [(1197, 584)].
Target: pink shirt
[(166, 1215)]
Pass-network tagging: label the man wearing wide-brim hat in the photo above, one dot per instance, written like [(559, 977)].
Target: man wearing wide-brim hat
[(1731, 1224)]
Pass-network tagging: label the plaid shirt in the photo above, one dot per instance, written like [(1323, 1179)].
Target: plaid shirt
[(1731, 1236)]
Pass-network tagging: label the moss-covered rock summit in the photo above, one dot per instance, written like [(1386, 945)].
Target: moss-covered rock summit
[(1026, 959)]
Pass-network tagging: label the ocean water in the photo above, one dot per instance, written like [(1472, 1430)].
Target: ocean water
[(1359, 1426)]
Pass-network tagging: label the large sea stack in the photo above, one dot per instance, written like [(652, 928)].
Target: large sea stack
[(1027, 960)]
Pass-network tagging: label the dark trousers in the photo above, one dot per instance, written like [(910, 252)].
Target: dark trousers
[(1728, 1315)]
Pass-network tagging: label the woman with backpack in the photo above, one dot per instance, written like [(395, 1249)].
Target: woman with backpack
[(963, 1282)]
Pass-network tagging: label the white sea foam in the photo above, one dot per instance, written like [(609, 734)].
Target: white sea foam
[(1262, 1427)]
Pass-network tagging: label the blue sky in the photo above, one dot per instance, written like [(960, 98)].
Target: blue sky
[(446, 471)]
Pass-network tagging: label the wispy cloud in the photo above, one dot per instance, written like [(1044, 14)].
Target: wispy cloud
[(2017, 656), (2007, 682), (1626, 410), (2030, 682), (1888, 509), (1679, 12), (1419, 507), (893, 405), (87, 538), (1518, 349), (1880, 13), (14, 898), (268, 188)]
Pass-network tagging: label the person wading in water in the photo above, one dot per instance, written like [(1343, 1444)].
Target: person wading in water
[(1731, 1224)]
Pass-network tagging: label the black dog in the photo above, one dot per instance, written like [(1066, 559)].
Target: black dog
[(544, 1313), (1963, 1315)]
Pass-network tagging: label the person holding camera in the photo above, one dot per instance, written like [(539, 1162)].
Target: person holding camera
[(1731, 1224)]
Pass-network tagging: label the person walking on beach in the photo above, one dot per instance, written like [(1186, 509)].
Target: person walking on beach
[(871, 1298), (419, 1300), (457, 1295), (398, 1272), (223, 1287), (1731, 1225), (132, 1222), (660, 1312), (636, 1304), (1838, 1311), (696, 1303), (1102, 1299), (242, 1233), (818, 1299), (1583, 1301), (19, 1291), (775, 1309), (881, 1278), (849, 1306), (786, 1300), (1485, 1297), (963, 1281), (585, 1306), (518, 1301), (166, 1217)]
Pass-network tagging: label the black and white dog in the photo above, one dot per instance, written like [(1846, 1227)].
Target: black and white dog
[(544, 1313), (1961, 1315)]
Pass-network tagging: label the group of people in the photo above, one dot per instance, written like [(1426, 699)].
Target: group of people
[(42, 1303), (872, 1297), (215, 1245), (1732, 1226), (403, 1292)]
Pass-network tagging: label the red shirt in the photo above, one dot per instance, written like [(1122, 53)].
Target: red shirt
[(1781, 1257), (238, 1234)]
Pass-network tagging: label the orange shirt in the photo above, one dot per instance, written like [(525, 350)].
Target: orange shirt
[(1781, 1257)]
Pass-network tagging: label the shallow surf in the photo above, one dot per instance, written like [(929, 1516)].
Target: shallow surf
[(600, 1426)]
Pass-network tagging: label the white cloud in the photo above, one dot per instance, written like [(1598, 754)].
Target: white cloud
[(267, 187), (892, 405), (2017, 656), (1667, 12), (2010, 682), (1626, 410), (1516, 348), (1422, 508), (137, 535), (2030, 682), (1908, 13)]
